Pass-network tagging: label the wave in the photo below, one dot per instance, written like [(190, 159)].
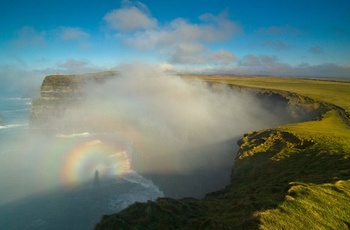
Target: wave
[(85, 134), (13, 126), (147, 191), (16, 98), (133, 177), (15, 110)]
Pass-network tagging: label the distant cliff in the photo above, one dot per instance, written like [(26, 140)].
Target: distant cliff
[(58, 94)]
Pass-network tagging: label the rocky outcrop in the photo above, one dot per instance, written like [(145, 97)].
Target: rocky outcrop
[(59, 95)]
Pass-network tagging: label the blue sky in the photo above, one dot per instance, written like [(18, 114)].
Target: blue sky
[(290, 37)]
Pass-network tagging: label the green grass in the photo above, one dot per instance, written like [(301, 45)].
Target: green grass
[(330, 132), (323, 201), (334, 92), (309, 206), (78, 78)]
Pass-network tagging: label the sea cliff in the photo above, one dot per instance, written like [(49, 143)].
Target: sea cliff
[(58, 95), (292, 177), (278, 174)]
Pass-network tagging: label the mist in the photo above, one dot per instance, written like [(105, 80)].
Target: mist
[(144, 133), (178, 132), (182, 130)]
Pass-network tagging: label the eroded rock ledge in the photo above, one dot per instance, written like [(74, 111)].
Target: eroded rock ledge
[(58, 95)]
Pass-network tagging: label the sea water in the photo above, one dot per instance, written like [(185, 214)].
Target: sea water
[(52, 180)]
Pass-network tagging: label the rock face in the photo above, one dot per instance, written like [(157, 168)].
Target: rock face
[(59, 94), (292, 107), (263, 176)]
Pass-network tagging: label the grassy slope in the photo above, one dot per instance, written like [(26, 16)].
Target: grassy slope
[(324, 201), (293, 177)]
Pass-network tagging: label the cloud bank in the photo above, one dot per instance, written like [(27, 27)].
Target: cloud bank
[(181, 41)]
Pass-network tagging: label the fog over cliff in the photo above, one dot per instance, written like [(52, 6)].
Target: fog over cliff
[(182, 133), (182, 130)]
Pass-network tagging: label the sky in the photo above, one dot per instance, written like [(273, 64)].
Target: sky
[(271, 37)]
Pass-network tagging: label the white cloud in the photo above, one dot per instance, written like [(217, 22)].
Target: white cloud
[(130, 18), (28, 36), (72, 34), (180, 31), (73, 66), (187, 43)]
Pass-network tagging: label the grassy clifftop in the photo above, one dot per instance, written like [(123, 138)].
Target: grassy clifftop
[(292, 177), (58, 95), (334, 92), (71, 86)]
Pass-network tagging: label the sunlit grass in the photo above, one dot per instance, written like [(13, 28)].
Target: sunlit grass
[(313, 205), (334, 92), (310, 206), (330, 132)]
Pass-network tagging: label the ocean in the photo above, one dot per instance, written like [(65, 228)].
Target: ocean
[(52, 180)]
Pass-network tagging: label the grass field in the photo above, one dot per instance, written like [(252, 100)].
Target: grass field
[(335, 92)]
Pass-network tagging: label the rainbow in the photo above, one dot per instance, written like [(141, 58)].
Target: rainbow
[(82, 160)]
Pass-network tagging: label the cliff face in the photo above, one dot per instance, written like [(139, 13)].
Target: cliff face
[(59, 95), (292, 107), (272, 167)]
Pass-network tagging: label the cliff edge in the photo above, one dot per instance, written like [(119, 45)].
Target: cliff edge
[(279, 177), (58, 95), (292, 177)]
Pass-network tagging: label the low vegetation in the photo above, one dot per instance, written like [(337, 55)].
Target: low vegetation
[(292, 177), (334, 92), (78, 78)]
